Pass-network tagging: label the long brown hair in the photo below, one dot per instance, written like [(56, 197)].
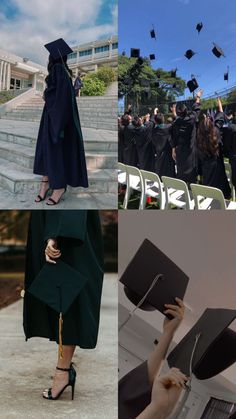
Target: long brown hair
[(207, 138)]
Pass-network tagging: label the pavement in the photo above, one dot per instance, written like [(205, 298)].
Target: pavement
[(26, 368), (90, 201)]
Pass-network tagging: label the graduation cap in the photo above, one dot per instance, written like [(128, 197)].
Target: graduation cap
[(173, 73), (58, 48), (57, 286), (174, 86), (140, 61), (135, 52), (199, 27), (158, 75), (226, 75), (152, 279), (153, 34), (189, 54), (192, 85), (217, 51), (152, 57), (157, 84), (209, 347)]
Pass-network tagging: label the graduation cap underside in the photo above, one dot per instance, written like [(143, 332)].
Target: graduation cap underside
[(58, 48), (151, 271), (216, 347), (152, 57), (57, 286), (217, 51)]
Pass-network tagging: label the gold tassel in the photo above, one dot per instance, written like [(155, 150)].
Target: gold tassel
[(60, 348)]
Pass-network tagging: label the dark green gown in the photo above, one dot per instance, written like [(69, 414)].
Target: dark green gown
[(80, 241)]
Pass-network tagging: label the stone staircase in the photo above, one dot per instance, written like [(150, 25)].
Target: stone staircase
[(99, 112), (18, 133)]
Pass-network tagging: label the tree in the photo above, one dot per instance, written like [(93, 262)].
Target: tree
[(144, 87), (106, 74), (93, 86)]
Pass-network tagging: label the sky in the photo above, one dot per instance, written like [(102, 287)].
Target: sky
[(26, 25), (175, 22)]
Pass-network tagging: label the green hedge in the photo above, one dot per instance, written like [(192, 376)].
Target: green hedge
[(95, 84)]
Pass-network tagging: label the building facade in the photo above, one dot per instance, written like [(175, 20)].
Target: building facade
[(89, 57), (18, 73)]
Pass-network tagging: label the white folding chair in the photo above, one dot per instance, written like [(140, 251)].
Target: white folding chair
[(122, 175), (206, 197), (134, 183), (152, 187), (228, 172), (177, 193)]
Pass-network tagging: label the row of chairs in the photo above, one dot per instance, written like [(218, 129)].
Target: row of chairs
[(169, 192)]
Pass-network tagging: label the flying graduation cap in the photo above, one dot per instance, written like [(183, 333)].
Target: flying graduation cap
[(57, 286), (153, 279), (226, 75), (153, 33), (58, 48), (192, 85), (173, 73), (217, 51), (135, 53), (189, 54), (152, 57), (209, 347), (199, 27)]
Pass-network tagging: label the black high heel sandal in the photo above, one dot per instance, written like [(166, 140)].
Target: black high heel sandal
[(71, 383), (42, 198), (53, 202)]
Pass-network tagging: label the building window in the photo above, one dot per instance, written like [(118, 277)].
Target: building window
[(85, 52), (102, 49), (72, 56), (115, 45)]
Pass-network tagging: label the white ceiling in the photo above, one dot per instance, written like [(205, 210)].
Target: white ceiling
[(200, 243)]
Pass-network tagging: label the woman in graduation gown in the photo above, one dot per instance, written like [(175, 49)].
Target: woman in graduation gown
[(161, 140), (60, 156), (184, 142), (142, 393), (143, 141), (130, 155), (74, 238), (211, 152)]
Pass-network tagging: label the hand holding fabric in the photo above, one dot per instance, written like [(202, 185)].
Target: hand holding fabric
[(51, 251)]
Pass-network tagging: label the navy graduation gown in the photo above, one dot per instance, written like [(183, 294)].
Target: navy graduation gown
[(60, 150)]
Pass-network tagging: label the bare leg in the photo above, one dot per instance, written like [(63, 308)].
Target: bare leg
[(44, 187), (61, 377)]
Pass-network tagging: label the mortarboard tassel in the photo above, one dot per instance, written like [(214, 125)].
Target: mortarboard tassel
[(60, 348)]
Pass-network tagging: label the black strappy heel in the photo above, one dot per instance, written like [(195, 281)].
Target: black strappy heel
[(42, 198), (71, 383), (53, 202)]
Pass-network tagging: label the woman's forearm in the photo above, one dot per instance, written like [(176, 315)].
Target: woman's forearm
[(152, 411), (157, 357)]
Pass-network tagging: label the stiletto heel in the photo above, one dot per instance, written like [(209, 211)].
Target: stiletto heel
[(52, 201), (71, 383), (42, 198)]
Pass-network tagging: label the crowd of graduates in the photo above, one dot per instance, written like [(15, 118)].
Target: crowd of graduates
[(190, 145)]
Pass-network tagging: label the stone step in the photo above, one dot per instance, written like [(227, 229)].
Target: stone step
[(87, 124), (89, 144), (100, 113), (24, 156), (20, 180)]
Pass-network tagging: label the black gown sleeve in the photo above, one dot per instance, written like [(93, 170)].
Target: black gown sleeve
[(67, 224), (58, 101)]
